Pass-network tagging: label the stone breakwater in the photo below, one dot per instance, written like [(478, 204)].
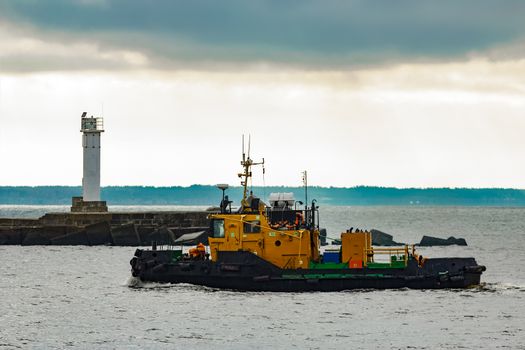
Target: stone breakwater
[(120, 229)]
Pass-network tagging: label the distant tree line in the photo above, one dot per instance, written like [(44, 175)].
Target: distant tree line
[(210, 195)]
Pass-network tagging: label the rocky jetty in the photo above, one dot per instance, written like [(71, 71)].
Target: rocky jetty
[(429, 241), (380, 238)]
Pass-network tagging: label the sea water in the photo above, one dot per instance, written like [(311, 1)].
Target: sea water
[(83, 297)]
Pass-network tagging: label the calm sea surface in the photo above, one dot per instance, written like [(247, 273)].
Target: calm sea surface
[(83, 297)]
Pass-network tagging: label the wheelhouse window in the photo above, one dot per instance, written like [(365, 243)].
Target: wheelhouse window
[(218, 228), (252, 227)]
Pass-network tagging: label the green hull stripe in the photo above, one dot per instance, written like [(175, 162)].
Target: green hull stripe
[(332, 276)]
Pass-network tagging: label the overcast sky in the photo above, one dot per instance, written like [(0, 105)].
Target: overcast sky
[(377, 92)]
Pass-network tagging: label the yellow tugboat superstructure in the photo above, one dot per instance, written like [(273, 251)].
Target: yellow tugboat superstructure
[(287, 239)]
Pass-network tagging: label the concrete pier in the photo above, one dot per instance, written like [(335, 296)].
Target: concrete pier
[(102, 228), (90, 223)]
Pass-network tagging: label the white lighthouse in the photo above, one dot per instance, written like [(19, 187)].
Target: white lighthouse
[(91, 129)]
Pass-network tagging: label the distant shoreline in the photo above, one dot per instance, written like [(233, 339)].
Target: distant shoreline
[(206, 194)]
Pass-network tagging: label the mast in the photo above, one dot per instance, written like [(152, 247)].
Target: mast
[(246, 163), (305, 183)]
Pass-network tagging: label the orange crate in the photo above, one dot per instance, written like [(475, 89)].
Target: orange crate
[(356, 264)]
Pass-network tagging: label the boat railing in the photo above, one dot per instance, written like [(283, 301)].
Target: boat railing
[(165, 246), (395, 251)]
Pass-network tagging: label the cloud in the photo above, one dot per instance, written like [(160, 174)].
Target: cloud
[(199, 34), (408, 125), (26, 52)]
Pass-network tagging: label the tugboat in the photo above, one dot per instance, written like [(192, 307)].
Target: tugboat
[(276, 248)]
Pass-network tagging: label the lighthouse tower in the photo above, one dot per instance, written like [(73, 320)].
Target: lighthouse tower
[(91, 129)]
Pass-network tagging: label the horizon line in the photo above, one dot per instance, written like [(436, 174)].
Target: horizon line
[(282, 186)]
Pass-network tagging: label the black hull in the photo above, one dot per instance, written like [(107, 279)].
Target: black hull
[(247, 272)]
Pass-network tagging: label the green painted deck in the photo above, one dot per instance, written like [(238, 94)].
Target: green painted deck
[(326, 266)]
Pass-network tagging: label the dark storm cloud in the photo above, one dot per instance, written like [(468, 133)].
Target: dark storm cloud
[(306, 33)]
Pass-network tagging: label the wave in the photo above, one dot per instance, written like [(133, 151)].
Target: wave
[(498, 287), (135, 282)]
